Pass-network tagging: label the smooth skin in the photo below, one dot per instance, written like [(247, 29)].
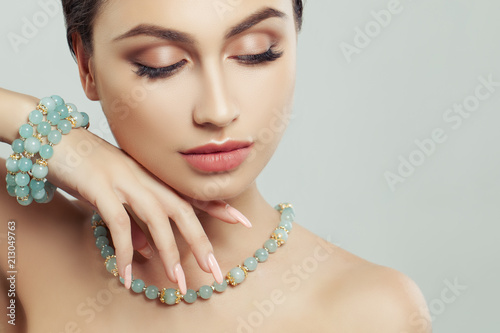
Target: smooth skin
[(307, 284)]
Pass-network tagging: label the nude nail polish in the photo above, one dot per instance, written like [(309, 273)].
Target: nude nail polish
[(214, 267), (238, 216), (128, 276), (181, 279)]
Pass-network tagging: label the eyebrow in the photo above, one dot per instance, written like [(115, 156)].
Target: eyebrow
[(182, 37)]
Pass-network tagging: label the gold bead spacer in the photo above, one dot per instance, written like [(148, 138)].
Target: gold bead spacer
[(71, 120), (16, 157), (42, 109), (230, 279), (42, 162), (24, 198), (39, 137)]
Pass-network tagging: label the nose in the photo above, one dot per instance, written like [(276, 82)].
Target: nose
[(215, 106)]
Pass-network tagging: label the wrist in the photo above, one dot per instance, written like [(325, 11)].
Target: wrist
[(14, 111)]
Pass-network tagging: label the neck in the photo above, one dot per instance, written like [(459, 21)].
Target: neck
[(232, 243)]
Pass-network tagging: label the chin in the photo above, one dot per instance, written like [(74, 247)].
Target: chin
[(217, 186)]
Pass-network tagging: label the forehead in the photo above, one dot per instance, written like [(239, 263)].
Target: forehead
[(206, 20)]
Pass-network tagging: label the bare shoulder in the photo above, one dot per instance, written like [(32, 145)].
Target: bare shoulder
[(366, 297), (360, 296)]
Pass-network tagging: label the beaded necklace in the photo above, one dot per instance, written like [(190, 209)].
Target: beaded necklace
[(235, 276)]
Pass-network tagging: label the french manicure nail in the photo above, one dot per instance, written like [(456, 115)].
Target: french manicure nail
[(128, 276), (181, 279), (238, 216), (214, 267)]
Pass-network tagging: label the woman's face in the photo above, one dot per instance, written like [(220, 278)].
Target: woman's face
[(174, 75)]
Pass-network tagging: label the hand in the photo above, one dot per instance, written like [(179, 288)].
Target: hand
[(109, 179)]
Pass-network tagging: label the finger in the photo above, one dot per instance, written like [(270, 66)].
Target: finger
[(146, 208), (216, 208), (221, 210), (174, 207), (140, 241), (116, 218)]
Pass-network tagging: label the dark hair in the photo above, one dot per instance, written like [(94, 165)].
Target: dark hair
[(80, 16)]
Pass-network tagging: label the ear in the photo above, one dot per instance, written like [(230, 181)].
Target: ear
[(85, 68)]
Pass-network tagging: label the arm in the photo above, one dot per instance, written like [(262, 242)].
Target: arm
[(14, 110)]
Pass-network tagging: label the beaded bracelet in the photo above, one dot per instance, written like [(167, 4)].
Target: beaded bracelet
[(51, 119)]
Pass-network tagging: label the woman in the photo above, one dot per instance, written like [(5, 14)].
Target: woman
[(177, 80)]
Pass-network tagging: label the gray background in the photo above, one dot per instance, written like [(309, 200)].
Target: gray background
[(351, 122)]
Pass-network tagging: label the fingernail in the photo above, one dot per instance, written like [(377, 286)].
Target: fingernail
[(181, 278), (214, 267), (238, 216), (147, 251), (128, 276)]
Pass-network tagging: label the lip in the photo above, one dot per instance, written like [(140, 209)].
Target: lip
[(218, 157)]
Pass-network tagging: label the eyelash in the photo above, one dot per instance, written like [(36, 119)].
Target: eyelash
[(164, 72)]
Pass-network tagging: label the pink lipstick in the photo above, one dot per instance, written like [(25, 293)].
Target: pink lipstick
[(216, 157)]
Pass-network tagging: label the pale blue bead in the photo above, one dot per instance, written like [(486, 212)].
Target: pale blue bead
[(22, 179), (46, 151), (36, 117), (39, 194), (250, 263), (190, 296), (65, 126), (39, 171), (26, 202), (18, 146), (271, 245), (107, 251), (26, 130), (25, 164), (36, 185), (111, 264), (96, 217), (78, 118), (12, 190), (12, 165), (85, 119), (11, 180), (151, 292), (44, 128), (32, 145), (220, 287), (238, 274), (22, 191), (57, 99), (43, 200), (100, 231), (137, 285), (53, 118), (288, 210), (71, 107), (286, 224), (63, 111), (280, 233), (49, 103), (170, 296), (287, 216), (54, 137), (261, 254), (101, 241), (205, 292)]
